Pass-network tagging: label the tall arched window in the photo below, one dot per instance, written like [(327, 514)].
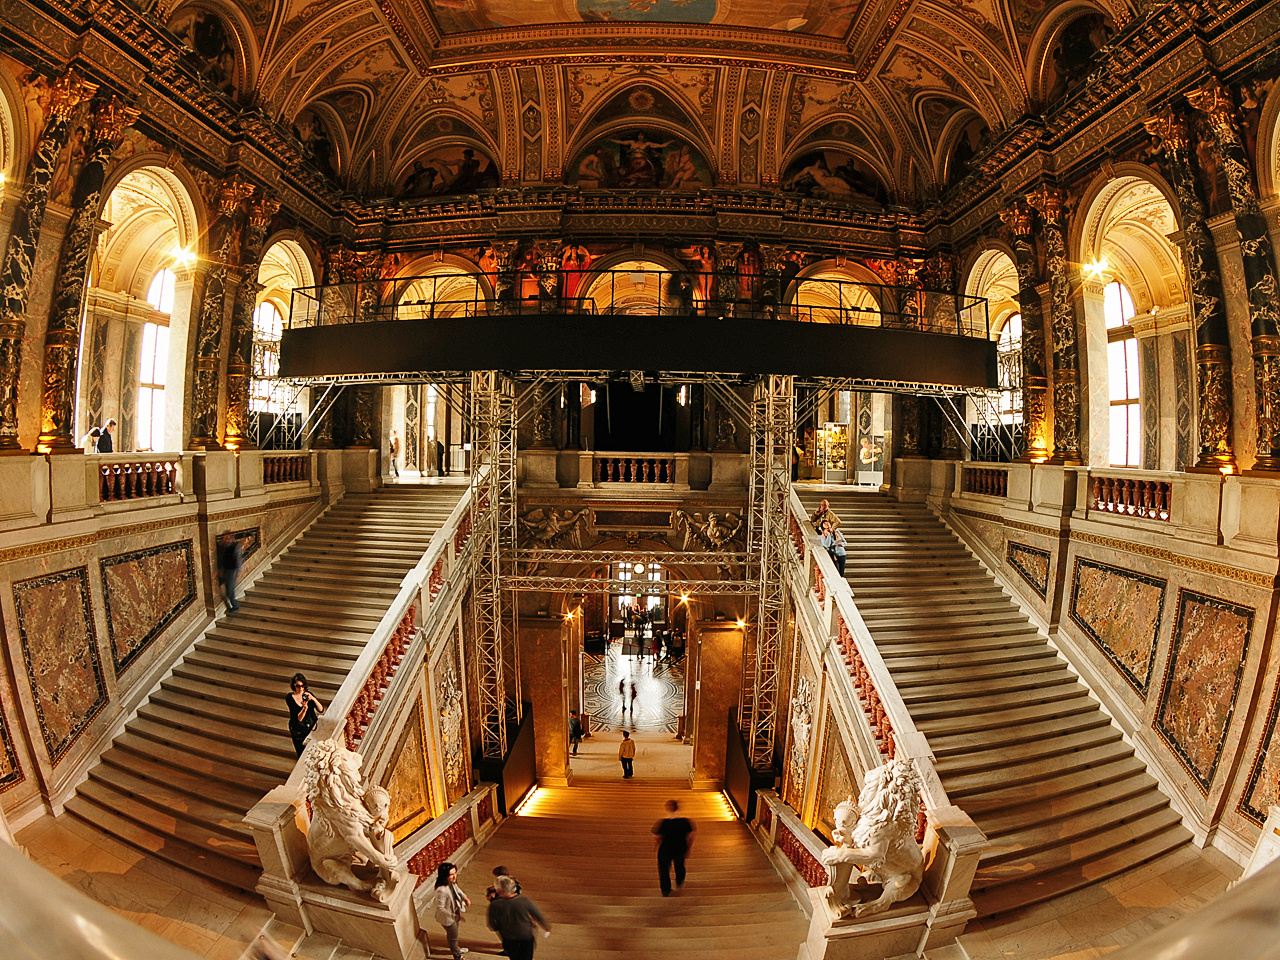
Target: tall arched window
[(1122, 372), (151, 366), (268, 325), (160, 293), (1009, 367)]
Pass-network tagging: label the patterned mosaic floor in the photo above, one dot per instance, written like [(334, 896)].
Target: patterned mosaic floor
[(659, 691)]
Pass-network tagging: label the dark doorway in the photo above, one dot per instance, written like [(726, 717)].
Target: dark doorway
[(640, 422)]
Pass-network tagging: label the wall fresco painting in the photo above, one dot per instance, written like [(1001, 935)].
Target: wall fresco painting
[(10, 770), (834, 175), (211, 42), (406, 779), (60, 650), (453, 740), (1263, 789), (640, 158), (1120, 611), (145, 591), (1210, 643), (1031, 564), (450, 170)]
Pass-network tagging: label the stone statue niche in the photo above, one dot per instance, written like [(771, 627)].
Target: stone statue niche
[(877, 837), (348, 839)]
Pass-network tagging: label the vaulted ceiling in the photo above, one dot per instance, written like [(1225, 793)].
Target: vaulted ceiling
[(870, 101)]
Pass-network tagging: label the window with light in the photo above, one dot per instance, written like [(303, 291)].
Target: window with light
[(1123, 376), (151, 375), (268, 326), (160, 293), (1009, 367)]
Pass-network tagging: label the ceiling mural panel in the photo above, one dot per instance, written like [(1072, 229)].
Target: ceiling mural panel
[(819, 17), (834, 175), (640, 159)]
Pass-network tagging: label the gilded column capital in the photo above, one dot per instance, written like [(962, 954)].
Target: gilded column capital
[(67, 92), (1048, 201), (1212, 99), (261, 212), (232, 192), (1018, 219), (1170, 127), (111, 118)]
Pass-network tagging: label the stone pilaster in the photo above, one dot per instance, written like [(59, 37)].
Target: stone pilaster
[(1213, 347), (1035, 381), (65, 94), (62, 338), (240, 360), (1214, 102), (1047, 201), (726, 291), (225, 240)]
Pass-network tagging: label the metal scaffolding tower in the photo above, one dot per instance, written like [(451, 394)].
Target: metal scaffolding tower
[(773, 414), (493, 480)]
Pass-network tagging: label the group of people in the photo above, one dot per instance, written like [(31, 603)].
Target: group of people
[(512, 915), (827, 525), (100, 439)]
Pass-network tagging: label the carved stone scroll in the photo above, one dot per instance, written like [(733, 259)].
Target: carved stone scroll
[(1214, 102)]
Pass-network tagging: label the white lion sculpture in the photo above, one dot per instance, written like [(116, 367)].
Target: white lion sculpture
[(348, 823), (882, 844)]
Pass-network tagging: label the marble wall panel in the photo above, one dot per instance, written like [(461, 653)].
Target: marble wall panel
[(1263, 787), (280, 518), (60, 651), (1209, 644), (804, 701), (144, 591), (10, 769), (1120, 611), (839, 778), (1032, 564), (406, 779)]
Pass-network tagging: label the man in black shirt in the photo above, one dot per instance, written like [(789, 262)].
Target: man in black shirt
[(512, 915), (675, 840), (230, 560)]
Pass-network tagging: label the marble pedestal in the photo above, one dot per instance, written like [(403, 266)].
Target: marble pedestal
[(899, 931), (539, 465), (384, 929)]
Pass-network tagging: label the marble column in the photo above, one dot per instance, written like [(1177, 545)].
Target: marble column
[(225, 242), (1047, 201), (544, 679), (726, 292), (240, 360), (62, 338), (1035, 382), (719, 687), (1213, 345), (1214, 102), (65, 94)]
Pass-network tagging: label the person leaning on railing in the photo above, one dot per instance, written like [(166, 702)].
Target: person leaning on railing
[(824, 514)]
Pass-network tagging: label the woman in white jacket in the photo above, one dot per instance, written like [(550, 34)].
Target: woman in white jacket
[(451, 906)]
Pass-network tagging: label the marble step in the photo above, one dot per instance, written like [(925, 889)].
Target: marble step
[(189, 856), (900, 650), (369, 566), (941, 632), (1017, 798), (241, 683), (1062, 745), (197, 807), (321, 617), (1065, 687), (305, 636), (218, 696), (262, 653), (235, 790), (936, 662), (269, 744), (973, 741), (998, 719), (271, 763), (979, 675), (290, 591), (1099, 802), (405, 555), (964, 691), (960, 786), (139, 749), (258, 719)]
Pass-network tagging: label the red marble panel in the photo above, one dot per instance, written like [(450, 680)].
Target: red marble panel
[(10, 770), (1210, 643), (145, 591), (1120, 611), (60, 651), (1263, 789)]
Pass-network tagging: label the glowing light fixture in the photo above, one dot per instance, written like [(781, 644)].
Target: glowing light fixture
[(181, 257), (1097, 268), (639, 568)]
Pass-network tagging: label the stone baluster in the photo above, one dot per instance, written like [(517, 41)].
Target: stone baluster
[(62, 337), (1214, 102), (1047, 201), (1213, 346), (224, 239), (1035, 382), (65, 94), (240, 361)]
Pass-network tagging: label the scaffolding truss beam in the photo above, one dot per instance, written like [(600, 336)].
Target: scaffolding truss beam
[(585, 585)]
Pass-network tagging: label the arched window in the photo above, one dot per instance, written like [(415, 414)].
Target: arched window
[(1122, 372), (160, 293), (268, 326), (1009, 367)]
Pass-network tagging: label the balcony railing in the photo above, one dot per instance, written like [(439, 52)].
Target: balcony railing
[(1131, 496), (987, 481), (138, 479), (288, 468), (633, 468)]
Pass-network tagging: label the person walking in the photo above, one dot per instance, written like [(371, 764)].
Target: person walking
[(394, 447), (105, 443), (633, 700), (89, 442), (499, 872), (451, 906), (674, 835), (622, 692), (575, 730), (834, 541), (512, 916), (626, 753), (304, 711), (230, 560)]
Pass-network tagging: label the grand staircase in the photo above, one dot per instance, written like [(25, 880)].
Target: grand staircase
[(585, 855), (1019, 743), (213, 737)]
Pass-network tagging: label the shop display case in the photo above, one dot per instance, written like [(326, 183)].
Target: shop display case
[(833, 452)]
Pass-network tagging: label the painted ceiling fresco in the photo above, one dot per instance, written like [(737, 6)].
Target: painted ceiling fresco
[(897, 99), (821, 17)]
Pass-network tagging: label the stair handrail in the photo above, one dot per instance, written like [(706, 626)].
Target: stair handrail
[(902, 737)]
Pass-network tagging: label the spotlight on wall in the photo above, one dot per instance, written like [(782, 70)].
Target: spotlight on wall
[(741, 623), (181, 257), (1097, 268)]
